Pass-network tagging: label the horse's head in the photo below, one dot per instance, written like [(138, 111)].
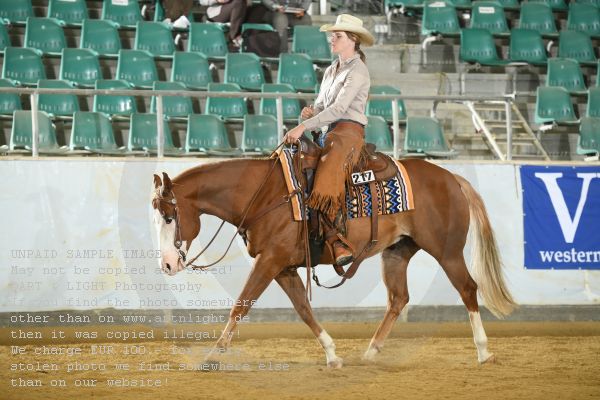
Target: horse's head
[(177, 224)]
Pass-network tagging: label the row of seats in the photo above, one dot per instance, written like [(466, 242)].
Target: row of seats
[(192, 69), (554, 107), (180, 106), (124, 12), (47, 35), (526, 46), (417, 5), (440, 17), (92, 132)]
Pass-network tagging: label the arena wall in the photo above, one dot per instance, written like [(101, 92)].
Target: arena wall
[(78, 234)]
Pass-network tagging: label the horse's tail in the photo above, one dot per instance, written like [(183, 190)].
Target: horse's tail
[(487, 267)]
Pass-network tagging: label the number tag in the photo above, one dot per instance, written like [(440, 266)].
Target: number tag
[(359, 178)]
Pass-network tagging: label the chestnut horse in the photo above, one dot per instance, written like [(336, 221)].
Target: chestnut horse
[(439, 224)]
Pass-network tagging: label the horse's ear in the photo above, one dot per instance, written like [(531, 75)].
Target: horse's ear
[(167, 183), (157, 181)]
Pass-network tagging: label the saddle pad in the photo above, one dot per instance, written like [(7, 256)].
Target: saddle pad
[(395, 195), (291, 182)]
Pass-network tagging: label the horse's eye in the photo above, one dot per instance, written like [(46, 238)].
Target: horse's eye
[(168, 220)]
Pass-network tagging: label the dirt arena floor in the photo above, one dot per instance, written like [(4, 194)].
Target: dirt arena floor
[(553, 360)]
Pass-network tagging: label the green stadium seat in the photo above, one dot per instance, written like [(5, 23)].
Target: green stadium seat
[(137, 67), (245, 70), (208, 39), (227, 108), (478, 46), (383, 108), (598, 73), (538, 17), (258, 27), (578, 46), (439, 17), (62, 105), (173, 106), (16, 11), (191, 69), (593, 102), (584, 18), (592, 2), (20, 137), (101, 36), (556, 5), (510, 5), (80, 66), (156, 38), (72, 12), (588, 143), (9, 102), (298, 71), (554, 105), (259, 134), (143, 136), (378, 132), (424, 136), (4, 38), (126, 15), (566, 72), (527, 45), (207, 134), (93, 132), (308, 39), (463, 4), (489, 15), (45, 34), (120, 105), (23, 65), (290, 107)]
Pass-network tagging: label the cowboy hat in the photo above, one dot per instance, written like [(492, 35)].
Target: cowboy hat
[(348, 23)]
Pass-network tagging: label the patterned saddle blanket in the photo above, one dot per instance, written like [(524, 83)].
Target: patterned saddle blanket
[(393, 188)]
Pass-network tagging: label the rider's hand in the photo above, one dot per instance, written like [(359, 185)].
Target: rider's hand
[(294, 134), (307, 112)]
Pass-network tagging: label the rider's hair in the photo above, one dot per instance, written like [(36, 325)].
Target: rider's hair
[(356, 39)]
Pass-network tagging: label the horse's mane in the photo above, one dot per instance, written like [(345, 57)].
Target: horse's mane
[(205, 167)]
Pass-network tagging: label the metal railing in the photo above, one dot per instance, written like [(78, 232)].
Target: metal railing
[(159, 94)]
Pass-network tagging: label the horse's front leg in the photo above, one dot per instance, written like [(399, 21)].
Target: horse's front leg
[(292, 285), (262, 274)]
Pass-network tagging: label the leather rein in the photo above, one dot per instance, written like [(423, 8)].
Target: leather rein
[(241, 229)]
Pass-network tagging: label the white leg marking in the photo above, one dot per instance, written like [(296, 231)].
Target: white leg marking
[(480, 338), (326, 341)]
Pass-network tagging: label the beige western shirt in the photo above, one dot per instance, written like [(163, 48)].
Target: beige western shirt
[(343, 94)]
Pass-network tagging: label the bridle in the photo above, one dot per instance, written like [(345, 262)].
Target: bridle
[(168, 219), (242, 227)]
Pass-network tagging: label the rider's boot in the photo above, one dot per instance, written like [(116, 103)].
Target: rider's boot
[(339, 246)]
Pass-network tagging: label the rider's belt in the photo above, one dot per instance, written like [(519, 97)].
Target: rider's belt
[(330, 127), (319, 136)]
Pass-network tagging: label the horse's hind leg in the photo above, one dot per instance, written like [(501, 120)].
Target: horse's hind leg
[(457, 272), (292, 285), (395, 263)]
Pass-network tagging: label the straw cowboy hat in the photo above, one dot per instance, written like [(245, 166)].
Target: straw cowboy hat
[(348, 23)]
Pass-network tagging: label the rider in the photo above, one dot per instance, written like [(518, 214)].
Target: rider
[(339, 114)]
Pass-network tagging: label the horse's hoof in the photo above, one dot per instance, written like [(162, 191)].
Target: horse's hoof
[(490, 360), (370, 355), (335, 363)]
